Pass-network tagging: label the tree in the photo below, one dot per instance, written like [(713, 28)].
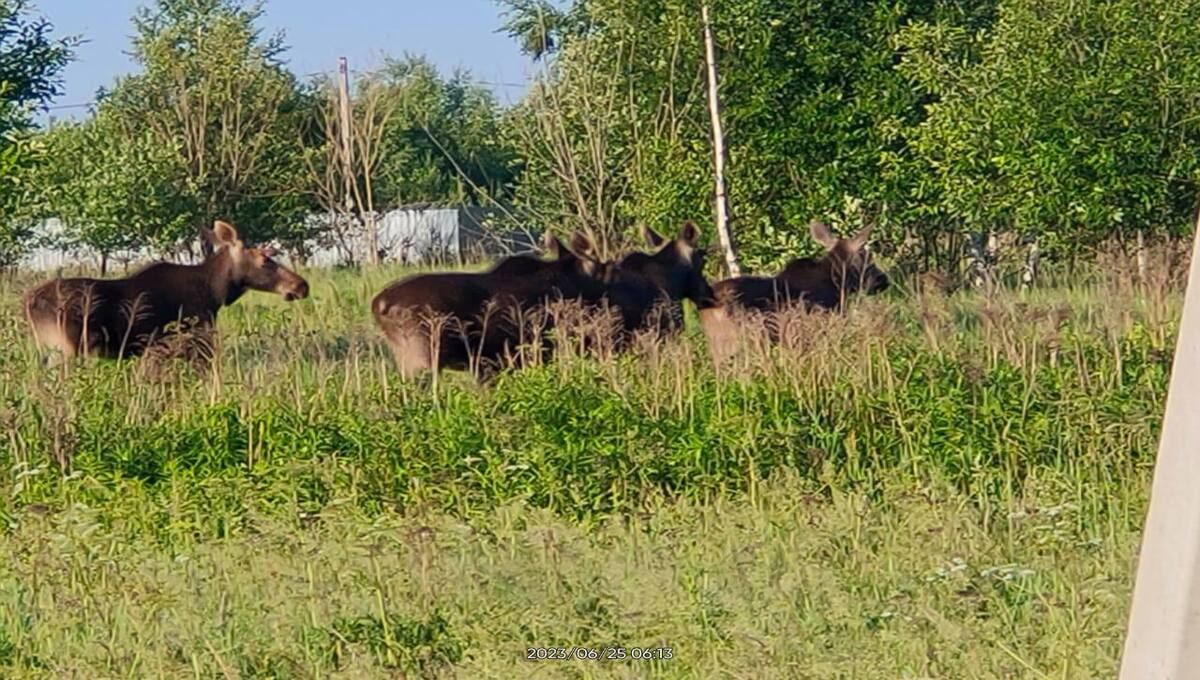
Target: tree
[(416, 138), (578, 155), (614, 133), (714, 110), (343, 173), (214, 92), (1071, 123), (444, 143), (540, 27), (816, 115), (113, 189), (31, 64)]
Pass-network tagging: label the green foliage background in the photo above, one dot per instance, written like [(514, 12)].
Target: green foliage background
[(1068, 123)]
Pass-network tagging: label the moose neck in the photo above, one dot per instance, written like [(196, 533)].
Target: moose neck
[(707, 301), (218, 270)]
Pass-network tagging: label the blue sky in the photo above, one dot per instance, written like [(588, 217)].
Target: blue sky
[(452, 33)]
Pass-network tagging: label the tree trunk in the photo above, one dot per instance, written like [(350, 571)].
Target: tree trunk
[(714, 110), (979, 255), (373, 237), (1029, 277), (1141, 255), (103, 263)]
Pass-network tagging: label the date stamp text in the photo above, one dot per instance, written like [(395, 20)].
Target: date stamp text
[(599, 653)]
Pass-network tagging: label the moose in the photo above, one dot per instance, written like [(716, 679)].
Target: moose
[(122, 318), (826, 283), (647, 288), (475, 321)]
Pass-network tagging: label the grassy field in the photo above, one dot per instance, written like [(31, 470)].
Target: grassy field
[(927, 487)]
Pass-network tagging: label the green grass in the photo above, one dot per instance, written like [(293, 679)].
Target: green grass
[(926, 487)]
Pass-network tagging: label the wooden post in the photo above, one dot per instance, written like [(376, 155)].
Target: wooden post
[(1163, 639), (714, 111), (343, 104), (346, 117)]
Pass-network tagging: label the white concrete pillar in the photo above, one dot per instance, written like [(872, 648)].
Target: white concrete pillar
[(1163, 640)]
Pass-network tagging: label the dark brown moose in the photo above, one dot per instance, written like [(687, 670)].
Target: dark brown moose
[(647, 288), (826, 283), (118, 318), (477, 321)]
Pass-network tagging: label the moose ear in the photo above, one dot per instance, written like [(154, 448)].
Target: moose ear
[(860, 239), (224, 233), (823, 235), (554, 248), (690, 233), (581, 244), (653, 237)]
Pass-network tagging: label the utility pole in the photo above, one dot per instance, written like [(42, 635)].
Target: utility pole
[(344, 128), (714, 111), (347, 142)]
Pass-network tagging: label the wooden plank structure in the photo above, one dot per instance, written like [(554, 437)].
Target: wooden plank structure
[(1163, 638)]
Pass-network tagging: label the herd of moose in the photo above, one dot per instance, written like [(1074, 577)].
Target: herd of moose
[(459, 320)]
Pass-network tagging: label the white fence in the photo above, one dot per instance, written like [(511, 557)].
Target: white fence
[(420, 236), (409, 235), (46, 258)]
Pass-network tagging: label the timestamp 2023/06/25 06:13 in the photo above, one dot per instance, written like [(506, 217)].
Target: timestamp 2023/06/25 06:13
[(599, 653)]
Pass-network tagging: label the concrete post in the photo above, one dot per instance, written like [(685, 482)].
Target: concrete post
[(1163, 640)]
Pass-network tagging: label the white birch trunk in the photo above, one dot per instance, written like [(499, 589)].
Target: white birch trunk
[(714, 109)]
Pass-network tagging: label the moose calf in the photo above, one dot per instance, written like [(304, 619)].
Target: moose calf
[(120, 318), (475, 321), (824, 283), (647, 288)]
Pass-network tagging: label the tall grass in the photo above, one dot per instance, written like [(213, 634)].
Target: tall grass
[(924, 487)]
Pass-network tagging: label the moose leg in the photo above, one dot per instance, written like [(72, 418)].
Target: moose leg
[(413, 353), (190, 340), (722, 334), (53, 334), (200, 347)]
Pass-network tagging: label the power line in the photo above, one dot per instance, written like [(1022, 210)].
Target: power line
[(499, 84), (476, 81), (56, 107)]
